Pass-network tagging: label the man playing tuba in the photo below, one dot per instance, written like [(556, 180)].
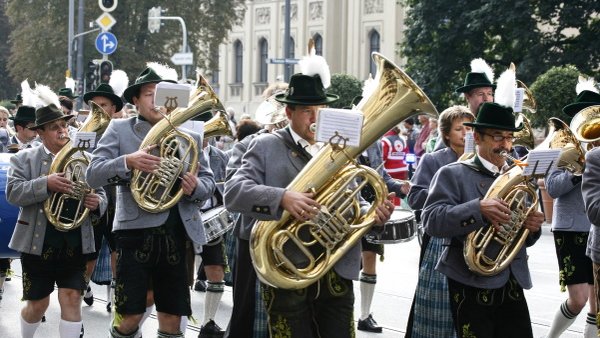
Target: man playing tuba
[(151, 247), (257, 190), (482, 306), (49, 256)]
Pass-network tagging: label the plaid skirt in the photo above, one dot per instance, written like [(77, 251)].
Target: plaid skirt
[(433, 314)]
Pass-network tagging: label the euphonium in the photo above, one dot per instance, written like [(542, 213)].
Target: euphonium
[(67, 211), (487, 252), (156, 192), (525, 136), (218, 125), (586, 124), (293, 254)]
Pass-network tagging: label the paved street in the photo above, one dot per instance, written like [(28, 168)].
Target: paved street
[(397, 277)]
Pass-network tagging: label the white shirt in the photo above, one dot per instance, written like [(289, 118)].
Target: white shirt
[(312, 149), (491, 167)]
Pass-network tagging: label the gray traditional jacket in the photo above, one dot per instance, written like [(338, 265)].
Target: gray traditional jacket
[(430, 163), (591, 198), (569, 209)]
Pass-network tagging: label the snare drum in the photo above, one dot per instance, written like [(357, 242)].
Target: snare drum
[(217, 221), (400, 228)]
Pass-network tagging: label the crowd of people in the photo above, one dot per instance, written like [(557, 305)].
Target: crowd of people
[(154, 227)]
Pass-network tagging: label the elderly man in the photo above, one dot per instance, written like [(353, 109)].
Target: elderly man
[(481, 305)]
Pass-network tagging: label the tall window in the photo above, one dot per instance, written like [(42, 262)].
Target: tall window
[(239, 58), (292, 48), (215, 71), (318, 40), (263, 47), (374, 46)]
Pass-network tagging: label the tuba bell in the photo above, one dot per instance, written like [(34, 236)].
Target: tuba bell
[(67, 211), (586, 124), (157, 192), (293, 254), (218, 125), (487, 252)]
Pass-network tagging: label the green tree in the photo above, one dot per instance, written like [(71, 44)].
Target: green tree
[(38, 39), (552, 91), (347, 87), (8, 88)]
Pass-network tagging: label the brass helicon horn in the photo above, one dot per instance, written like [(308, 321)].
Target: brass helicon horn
[(67, 211), (293, 254)]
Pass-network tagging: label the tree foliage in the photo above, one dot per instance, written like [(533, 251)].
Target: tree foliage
[(38, 37), (442, 38), (552, 91), (347, 87)]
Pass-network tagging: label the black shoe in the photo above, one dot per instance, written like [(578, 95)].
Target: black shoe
[(369, 324), (88, 297), (211, 330), (109, 307), (43, 318), (200, 286), (7, 279), (82, 332)]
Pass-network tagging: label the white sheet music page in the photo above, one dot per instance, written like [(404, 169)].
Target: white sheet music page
[(469, 142), (519, 97), (347, 123), (539, 162), (172, 95), (84, 140)]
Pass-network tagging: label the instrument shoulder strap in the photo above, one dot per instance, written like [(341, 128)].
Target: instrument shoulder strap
[(302, 153)]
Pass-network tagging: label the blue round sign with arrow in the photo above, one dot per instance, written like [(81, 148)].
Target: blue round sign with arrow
[(106, 43)]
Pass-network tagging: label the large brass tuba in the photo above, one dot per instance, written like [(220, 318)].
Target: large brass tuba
[(486, 251), (218, 125), (159, 191), (586, 124), (67, 211), (293, 254)]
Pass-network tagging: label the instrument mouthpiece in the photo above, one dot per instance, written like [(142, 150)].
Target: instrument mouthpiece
[(313, 128)]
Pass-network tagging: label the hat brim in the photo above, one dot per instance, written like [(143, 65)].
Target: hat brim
[(38, 126), (16, 101), (113, 97), (330, 98), (493, 126), (467, 88), (574, 108), (128, 93)]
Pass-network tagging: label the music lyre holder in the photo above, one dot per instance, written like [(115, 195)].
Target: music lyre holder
[(539, 164), (338, 144)]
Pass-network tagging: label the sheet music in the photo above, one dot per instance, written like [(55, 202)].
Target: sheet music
[(540, 162), (172, 95), (347, 123), (519, 97), (84, 140), (469, 142)]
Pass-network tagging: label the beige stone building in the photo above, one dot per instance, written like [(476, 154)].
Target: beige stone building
[(345, 33)]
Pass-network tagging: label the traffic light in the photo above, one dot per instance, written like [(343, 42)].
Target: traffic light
[(106, 68), (108, 5), (91, 76)]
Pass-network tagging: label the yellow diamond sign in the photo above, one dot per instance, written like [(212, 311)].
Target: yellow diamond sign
[(106, 21)]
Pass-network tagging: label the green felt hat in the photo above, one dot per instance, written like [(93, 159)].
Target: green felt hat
[(48, 114), (68, 92), (306, 90), (475, 80), (104, 90), (145, 77), (24, 114), (494, 116), (585, 99)]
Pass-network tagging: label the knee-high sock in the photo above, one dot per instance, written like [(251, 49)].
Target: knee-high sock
[(144, 317), (160, 334), (367, 289), (590, 330), (183, 324), (562, 320), (214, 292), (69, 329), (116, 334), (28, 329)]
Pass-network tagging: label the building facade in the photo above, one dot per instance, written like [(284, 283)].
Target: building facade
[(345, 32)]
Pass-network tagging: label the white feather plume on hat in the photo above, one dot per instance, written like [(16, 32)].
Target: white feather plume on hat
[(314, 64), (480, 66), (28, 96), (70, 83), (505, 87), (46, 95), (119, 81), (586, 84), (165, 72)]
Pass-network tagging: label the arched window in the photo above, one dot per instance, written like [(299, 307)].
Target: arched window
[(263, 47), (374, 46), (239, 59), (318, 40)]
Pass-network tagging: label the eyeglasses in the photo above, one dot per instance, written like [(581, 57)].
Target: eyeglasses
[(499, 138)]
